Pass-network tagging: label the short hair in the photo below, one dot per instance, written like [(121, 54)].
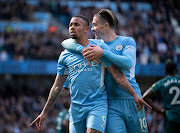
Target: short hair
[(109, 16), (170, 68), (83, 17)]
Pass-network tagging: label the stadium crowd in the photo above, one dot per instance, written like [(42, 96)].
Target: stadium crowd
[(152, 30), (20, 105)]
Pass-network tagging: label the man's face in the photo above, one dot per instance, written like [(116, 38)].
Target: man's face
[(77, 28), (98, 28)]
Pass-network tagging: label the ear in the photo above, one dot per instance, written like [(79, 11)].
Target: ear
[(87, 28), (106, 25)]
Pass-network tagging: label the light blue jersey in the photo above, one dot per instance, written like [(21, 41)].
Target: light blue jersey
[(120, 46), (86, 83), (122, 113)]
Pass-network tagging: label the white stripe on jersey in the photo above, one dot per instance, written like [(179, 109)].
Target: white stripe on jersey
[(102, 73)]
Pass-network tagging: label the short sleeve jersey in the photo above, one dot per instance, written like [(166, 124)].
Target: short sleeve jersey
[(86, 83), (119, 46), (169, 90)]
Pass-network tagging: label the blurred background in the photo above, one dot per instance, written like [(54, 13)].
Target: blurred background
[(30, 35)]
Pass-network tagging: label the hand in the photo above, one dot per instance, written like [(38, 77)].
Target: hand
[(93, 52), (39, 122), (140, 102), (96, 60), (163, 112)]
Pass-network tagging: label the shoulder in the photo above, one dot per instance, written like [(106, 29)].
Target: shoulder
[(98, 42), (128, 40), (159, 83), (64, 54)]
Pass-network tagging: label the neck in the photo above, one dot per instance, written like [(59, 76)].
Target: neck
[(173, 75), (83, 41), (109, 36)]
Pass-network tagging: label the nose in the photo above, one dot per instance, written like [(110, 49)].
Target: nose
[(92, 29)]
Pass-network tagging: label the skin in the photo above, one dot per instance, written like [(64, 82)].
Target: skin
[(147, 97), (78, 30), (102, 30)]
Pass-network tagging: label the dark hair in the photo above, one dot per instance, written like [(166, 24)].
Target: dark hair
[(83, 17), (171, 68), (109, 16)]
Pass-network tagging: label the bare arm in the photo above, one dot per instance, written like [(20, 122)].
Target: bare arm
[(54, 92), (121, 79), (147, 97), (52, 98)]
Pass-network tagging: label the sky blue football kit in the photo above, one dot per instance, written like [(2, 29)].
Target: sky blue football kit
[(122, 114), (88, 95)]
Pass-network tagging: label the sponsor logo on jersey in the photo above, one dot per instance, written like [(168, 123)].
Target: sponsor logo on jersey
[(130, 47), (119, 47)]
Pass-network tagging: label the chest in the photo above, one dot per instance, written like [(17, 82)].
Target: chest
[(116, 48)]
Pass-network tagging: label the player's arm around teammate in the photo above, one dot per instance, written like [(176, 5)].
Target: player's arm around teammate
[(53, 96)]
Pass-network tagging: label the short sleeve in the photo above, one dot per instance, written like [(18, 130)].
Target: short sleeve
[(66, 84), (61, 66), (129, 45), (155, 87)]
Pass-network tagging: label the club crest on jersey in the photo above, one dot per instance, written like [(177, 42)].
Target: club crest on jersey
[(119, 47)]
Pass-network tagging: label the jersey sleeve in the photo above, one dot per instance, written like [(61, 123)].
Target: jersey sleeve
[(61, 66), (155, 87), (127, 59), (106, 61), (66, 84), (72, 45)]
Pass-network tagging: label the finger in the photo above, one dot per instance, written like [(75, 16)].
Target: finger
[(37, 125), (41, 125), (32, 123), (93, 45), (95, 61), (89, 48), (86, 54), (147, 104), (89, 57), (98, 59), (89, 63), (138, 106)]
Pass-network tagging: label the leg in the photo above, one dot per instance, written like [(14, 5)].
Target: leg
[(90, 130), (115, 118), (78, 127), (96, 119), (136, 120)]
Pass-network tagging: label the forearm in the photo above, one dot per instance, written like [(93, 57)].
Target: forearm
[(121, 79), (125, 62), (54, 93), (147, 97), (149, 101)]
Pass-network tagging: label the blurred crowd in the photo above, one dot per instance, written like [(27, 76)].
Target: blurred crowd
[(19, 107), (152, 30)]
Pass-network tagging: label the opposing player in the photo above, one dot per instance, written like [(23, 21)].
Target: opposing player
[(62, 121), (169, 90), (88, 110), (122, 114)]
